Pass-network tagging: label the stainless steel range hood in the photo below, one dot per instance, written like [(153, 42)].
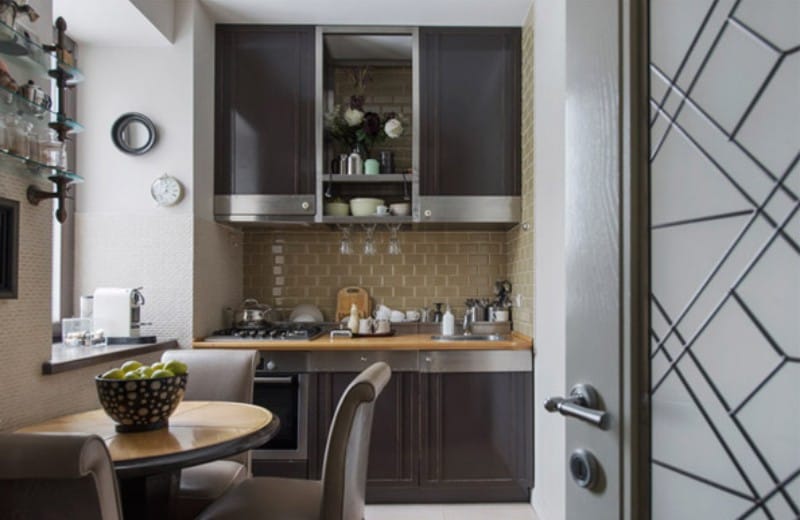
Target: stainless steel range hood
[(254, 209)]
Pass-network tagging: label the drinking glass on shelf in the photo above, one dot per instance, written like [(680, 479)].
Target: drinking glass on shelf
[(369, 240), (394, 239), (345, 246)]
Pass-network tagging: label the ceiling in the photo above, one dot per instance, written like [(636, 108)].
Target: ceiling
[(371, 12), (108, 23), (136, 23)]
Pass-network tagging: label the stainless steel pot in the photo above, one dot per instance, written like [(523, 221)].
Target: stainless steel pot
[(253, 314)]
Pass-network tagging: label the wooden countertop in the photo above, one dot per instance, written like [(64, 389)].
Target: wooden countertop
[(516, 341)]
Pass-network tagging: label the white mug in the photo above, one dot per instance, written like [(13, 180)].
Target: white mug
[(382, 210), (397, 316), (412, 315), (365, 326), (382, 327), (500, 315), (383, 312)]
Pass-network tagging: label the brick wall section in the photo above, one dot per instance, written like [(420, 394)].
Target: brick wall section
[(520, 241), (292, 267), (389, 91)]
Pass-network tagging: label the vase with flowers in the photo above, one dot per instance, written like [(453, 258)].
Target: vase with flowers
[(356, 129)]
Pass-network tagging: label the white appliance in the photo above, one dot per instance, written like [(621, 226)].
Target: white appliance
[(117, 311)]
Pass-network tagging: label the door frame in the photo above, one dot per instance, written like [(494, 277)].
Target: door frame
[(619, 197)]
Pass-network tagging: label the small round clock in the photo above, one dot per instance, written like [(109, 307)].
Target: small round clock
[(166, 190)]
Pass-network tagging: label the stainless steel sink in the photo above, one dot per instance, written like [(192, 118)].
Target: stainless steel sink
[(470, 337)]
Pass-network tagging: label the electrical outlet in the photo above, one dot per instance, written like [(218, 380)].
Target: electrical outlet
[(518, 300)]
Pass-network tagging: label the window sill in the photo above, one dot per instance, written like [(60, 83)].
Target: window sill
[(64, 359)]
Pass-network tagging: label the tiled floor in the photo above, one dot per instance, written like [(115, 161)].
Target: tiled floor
[(451, 512)]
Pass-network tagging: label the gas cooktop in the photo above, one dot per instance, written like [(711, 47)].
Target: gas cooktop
[(272, 332)]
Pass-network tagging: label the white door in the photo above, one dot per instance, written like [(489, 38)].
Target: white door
[(716, 360)]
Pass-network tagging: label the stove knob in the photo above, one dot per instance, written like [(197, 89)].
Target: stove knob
[(270, 365)]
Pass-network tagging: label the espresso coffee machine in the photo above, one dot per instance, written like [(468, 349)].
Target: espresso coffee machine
[(117, 312)]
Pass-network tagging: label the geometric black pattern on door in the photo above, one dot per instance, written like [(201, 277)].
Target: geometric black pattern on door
[(725, 258)]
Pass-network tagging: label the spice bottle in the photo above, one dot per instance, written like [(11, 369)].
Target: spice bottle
[(352, 322), (448, 323)]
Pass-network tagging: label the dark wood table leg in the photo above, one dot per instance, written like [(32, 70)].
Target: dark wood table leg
[(149, 497)]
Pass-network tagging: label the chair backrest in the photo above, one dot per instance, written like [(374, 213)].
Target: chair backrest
[(344, 471), (45, 475), (217, 374)]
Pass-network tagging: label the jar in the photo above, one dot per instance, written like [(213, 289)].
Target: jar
[(4, 146), (19, 132), (64, 163), (50, 148)]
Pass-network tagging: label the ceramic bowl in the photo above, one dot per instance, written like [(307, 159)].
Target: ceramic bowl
[(400, 209), (138, 405), (364, 207), (306, 313), (336, 209)]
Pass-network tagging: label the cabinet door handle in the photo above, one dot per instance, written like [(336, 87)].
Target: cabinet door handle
[(305, 205), (428, 213)]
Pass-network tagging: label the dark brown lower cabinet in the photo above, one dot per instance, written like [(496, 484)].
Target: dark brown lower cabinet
[(441, 437), (393, 456), (476, 436)]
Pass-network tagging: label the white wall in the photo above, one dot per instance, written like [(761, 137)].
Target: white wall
[(160, 13), (549, 30), (27, 396), (217, 249), (122, 238)]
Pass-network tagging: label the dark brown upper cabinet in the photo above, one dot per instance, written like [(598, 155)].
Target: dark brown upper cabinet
[(470, 98), (264, 128)]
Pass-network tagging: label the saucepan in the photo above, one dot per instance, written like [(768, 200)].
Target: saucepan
[(253, 314)]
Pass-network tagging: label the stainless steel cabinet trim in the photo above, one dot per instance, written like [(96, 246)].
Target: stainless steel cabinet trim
[(484, 209), (440, 361), (356, 361), (264, 205)]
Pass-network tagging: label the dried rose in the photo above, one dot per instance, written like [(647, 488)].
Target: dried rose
[(353, 116), (372, 123), (357, 102), (393, 128)]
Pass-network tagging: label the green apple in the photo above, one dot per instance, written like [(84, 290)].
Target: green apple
[(162, 373), (176, 367), (130, 365), (114, 373)]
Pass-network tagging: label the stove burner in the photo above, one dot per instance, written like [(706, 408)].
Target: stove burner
[(287, 331)]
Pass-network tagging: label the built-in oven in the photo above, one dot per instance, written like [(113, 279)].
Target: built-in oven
[(281, 386)]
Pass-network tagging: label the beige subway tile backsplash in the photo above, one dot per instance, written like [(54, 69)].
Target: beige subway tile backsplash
[(306, 267)]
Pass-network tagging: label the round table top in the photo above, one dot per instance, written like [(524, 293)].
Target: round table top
[(198, 431)]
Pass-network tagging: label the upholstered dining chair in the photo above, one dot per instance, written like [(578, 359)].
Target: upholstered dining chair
[(340, 493), (48, 475), (214, 375)]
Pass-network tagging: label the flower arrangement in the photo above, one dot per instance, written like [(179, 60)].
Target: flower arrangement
[(352, 126)]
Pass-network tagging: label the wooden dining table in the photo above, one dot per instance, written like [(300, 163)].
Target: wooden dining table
[(148, 463)]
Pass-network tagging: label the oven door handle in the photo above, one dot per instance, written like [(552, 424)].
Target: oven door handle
[(274, 380)]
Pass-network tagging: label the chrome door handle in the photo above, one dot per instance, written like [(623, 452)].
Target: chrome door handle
[(582, 403)]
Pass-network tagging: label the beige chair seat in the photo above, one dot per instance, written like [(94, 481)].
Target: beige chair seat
[(271, 498), (210, 480)]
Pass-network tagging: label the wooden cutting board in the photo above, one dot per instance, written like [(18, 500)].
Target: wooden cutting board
[(347, 296)]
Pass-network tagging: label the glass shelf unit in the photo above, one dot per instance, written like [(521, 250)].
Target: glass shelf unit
[(34, 58), (41, 117), (23, 167)]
